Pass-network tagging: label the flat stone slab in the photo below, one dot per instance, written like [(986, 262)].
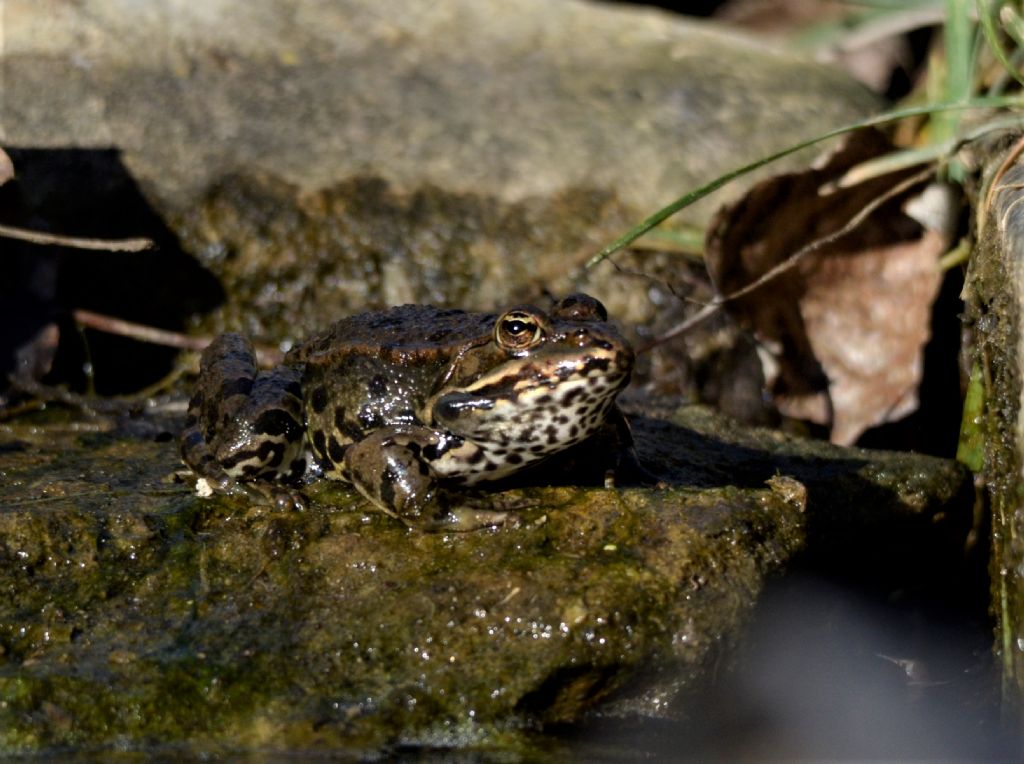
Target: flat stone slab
[(513, 99), (136, 616)]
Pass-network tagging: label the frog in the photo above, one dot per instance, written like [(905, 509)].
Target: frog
[(410, 405)]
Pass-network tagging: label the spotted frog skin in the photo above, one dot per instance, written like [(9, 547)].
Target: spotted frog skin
[(407, 404)]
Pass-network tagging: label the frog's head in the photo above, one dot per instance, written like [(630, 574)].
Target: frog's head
[(549, 384)]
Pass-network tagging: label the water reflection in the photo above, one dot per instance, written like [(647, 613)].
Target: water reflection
[(827, 672)]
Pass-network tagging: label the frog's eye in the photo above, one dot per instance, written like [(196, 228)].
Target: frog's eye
[(518, 329)]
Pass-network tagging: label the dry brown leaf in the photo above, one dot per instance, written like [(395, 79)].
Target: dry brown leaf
[(847, 323), (34, 358), (6, 168)]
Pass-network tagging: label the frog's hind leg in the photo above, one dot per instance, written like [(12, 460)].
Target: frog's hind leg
[(244, 425)]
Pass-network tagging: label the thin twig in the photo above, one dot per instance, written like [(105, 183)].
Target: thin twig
[(109, 245), (140, 332), (266, 357), (683, 326)]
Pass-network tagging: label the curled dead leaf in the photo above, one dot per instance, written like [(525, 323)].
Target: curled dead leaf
[(6, 168), (846, 317)]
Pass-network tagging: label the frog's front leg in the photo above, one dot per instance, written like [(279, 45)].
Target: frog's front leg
[(391, 468), (244, 427)]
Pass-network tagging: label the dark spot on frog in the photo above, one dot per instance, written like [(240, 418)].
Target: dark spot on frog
[(320, 444), (378, 386), (388, 479), (278, 422), (432, 451), (336, 450), (318, 399), (193, 440), (570, 396), (271, 454), (238, 386), (552, 432), (345, 427), (297, 468)]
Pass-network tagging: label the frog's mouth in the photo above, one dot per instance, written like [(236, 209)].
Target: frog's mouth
[(542, 404), (604, 369)]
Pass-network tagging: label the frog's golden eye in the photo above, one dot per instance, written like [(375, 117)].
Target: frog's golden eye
[(519, 329)]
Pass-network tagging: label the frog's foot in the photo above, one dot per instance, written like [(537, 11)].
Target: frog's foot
[(244, 427), (389, 469), (464, 510), (628, 470), (260, 492), (464, 518), (212, 478), (275, 496), (625, 467)]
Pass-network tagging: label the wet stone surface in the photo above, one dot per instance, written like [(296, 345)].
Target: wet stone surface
[(137, 616)]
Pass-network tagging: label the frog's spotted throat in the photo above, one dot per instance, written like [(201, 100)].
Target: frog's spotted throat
[(407, 402)]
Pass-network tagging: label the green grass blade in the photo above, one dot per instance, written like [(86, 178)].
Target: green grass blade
[(685, 201), (987, 14)]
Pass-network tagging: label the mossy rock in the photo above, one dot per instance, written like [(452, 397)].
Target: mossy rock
[(138, 617)]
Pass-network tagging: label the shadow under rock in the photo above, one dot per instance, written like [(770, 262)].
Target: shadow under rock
[(90, 193)]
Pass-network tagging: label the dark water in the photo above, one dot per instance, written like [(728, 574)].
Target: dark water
[(828, 671)]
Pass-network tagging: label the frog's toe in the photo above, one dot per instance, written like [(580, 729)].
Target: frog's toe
[(274, 496), (484, 501), (259, 493), (289, 501)]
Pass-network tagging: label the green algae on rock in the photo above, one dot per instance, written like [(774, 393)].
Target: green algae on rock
[(211, 626), (137, 616), (994, 301)]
